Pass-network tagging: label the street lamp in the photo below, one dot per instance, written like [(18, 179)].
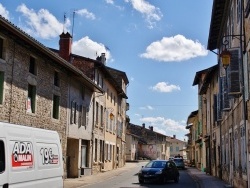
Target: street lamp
[(225, 58)]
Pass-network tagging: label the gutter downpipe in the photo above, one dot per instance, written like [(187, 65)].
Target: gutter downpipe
[(243, 87)]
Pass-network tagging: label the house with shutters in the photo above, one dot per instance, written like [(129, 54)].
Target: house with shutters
[(40, 89), (224, 95), (206, 127), (145, 143), (101, 145)]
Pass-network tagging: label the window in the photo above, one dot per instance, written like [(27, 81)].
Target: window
[(107, 93), (32, 66), (97, 113), (96, 142), (236, 149), (102, 118), (1, 86), (82, 117), (56, 100), (2, 156), (102, 150), (1, 48), (73, 112), (177, 148), (31, 103), (56, 79), (171, 148), (243, 149)]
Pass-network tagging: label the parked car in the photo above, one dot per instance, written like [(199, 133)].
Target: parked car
[(179, 162), (159, 171)]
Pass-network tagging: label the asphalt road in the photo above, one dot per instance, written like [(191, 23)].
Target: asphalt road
[(128, 179)]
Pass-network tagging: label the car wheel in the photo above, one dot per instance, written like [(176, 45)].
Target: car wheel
[(141, 181), (176, 179)]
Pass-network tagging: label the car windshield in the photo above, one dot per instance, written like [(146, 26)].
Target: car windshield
[(178, 160), (156, 164)]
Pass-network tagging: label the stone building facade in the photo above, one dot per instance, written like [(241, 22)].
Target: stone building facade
[(227, 110), (35, 84)]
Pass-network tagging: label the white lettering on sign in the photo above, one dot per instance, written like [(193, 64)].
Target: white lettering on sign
[(48, 157), (22, 154)]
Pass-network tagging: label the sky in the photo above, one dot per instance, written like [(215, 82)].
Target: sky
[(159, 44)]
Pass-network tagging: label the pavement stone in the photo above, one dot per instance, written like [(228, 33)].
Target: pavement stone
[(205, 180), (202, 179)]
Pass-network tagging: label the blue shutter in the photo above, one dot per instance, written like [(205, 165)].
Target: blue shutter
[(233, 73)]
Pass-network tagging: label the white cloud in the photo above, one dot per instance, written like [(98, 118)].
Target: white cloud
[(164, 87), (89, 48), (42, 23), (4, 13), (86, 14), (151, 13), (148, 107), (110, 2), (177, 48), (167, 127)]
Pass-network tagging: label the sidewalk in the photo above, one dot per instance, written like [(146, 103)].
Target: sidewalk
[(88, 180), (203, 180)]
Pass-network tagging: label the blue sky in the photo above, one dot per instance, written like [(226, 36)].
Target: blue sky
[(160, 44)]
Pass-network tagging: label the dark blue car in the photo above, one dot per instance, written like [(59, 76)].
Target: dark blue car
[(159, 171)]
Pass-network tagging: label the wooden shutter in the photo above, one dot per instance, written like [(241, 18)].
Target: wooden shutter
[(233, 73), (224, 94)]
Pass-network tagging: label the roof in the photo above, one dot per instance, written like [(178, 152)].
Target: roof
[(206, 80), (219, 11), (22, 37)]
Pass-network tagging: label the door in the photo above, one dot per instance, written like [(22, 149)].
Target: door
[(4, 180), (84, 156)]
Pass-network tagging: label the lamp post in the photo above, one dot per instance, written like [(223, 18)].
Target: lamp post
[(225, 58)]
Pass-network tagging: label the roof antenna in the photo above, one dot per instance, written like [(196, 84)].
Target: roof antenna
[(74, 12), (64, 21)]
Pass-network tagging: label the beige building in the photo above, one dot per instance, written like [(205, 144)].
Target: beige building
[(177, 147), (147, 144), (106, 113), (225, 98)]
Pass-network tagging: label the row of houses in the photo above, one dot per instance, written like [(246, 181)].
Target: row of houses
[(218, 138), (82, 99), (145, 143)]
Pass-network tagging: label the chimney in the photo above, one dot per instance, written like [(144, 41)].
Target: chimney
[(65, 43), (151, 128), (143, 125), (174, 136), (103, 59)]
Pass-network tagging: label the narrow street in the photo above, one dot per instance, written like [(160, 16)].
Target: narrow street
[(126, 177)]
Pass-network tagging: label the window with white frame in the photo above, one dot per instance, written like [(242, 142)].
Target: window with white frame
[(73, 112), (82, 116)]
